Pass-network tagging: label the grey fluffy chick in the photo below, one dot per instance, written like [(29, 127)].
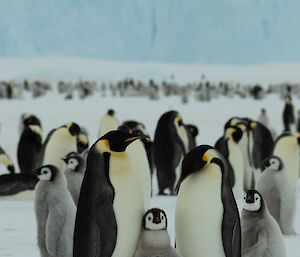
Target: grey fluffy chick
[(55, 213), (74, 172), (154, 239)]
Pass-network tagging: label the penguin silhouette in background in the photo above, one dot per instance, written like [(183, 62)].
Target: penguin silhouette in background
[(6, 161), (55, 213), (263, 118), (112, 197), (154, 239), (288, 115), (29, 148), (108, 123), (171, 143), (206, 208), (261, 235)]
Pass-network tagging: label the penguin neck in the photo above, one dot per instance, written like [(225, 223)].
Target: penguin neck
[(155, 239), (118, 163)]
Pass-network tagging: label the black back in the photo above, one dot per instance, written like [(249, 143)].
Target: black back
[(95, 231)]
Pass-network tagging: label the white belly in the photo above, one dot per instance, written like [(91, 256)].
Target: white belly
[(128, 208), (137, 154), (291, 162), (237, 163), (199, 215), (58, 148)]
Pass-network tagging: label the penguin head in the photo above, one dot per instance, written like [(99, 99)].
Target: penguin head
[(82, 140), (155, 219), (74, 161), (263, 110), (199, 158), (193, 130), (288, 99), (253, 201), (233, 132), (273, 163), (111, 112), (115, 141), (30, 119), (46, 173), (73, 128), (125, 129)]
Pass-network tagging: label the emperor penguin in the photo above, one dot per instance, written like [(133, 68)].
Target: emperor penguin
[(112, 197), (74, 172), (29, 148), (6, 161), (59, 143), (108, 123), (207, 221), (278, 193), (232, 136), (55, 213), (82, 140), (286, 147), (154, 238), (288, 115), (171, 143), (27, 119), (261, 235)]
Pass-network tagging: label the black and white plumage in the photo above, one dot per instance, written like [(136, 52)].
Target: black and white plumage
[(74, 172), (6, 161), (55, 213), (154, 238), (274, 186), (261, 235)]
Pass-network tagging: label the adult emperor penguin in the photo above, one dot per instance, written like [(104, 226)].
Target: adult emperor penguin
[(74, 172), (59, 143), (278, 193), (286, 147), (108, 123), (207, 221), (6, 161), (171, 143), (55, 213), (154, 239), (112, 197), (288, 115), (232, 136), (261, 235), (29, 148)]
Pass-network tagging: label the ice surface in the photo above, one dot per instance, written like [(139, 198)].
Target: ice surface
[(17, 220)]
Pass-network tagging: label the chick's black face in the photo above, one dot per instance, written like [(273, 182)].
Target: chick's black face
[(118, 140)]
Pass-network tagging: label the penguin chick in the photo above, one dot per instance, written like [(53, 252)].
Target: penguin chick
[(6, 161), (274, 186), (154, 239), (55, 213), (74, 172), (261, 235)]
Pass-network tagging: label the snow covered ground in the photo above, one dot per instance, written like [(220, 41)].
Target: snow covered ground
[(17, 220)]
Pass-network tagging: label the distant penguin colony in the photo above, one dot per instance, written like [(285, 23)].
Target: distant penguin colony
[(94, 200)]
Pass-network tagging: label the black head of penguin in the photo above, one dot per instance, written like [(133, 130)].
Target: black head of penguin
[(47, 172), (73, 128), (125, 129), (156, 217), (273, 162), (236, 133), (194, 161), (193, 129), (117, 141), (253, 202), (31, 120), (111, 112)]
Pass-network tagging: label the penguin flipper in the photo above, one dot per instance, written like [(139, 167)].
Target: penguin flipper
[(55, 222), (107, 226), (259, 248), (11, 184)]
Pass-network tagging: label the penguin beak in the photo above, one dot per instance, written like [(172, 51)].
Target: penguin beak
[(156, 220), (131, 139), (37, 173), (65, 160), (11, 168)]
